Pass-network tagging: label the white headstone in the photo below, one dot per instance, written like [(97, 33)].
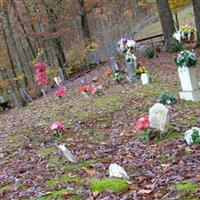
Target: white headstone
[(158, 116), (189, 84), (117, 171), (144, 78)]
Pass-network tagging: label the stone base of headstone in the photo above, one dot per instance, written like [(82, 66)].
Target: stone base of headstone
[(190, 95)]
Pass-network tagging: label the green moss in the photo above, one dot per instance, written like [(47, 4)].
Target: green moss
[(186, 186), (168, 135), (116, 185), (47, 151)]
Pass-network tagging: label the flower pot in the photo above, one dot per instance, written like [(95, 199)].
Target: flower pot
[(144, 78)]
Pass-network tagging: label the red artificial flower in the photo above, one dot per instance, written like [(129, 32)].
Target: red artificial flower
[(142, 123), (41, 74), (58, 126), (85, 88), (40, 66), (60, 91)]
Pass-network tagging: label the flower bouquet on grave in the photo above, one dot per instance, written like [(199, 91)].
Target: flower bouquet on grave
[(96, 89), (117, 77), (143, 73), (186, 59), (84, 90), (167, 99), (41, 75), (187, 33), (59, 128), (192, 136), (142, 127), (60, 92)]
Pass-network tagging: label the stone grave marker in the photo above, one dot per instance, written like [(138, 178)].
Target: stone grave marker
[(158, 116), (113, 65)]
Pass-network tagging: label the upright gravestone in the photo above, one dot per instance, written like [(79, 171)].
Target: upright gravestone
[(158, 116), (113, 65), (189, 84), (130, 60), (186, 63)]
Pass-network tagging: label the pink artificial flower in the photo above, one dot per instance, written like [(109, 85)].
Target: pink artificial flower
[(41, 74), (40, 66), (58, 126), (96, 89), (142, 123), (60, 91)]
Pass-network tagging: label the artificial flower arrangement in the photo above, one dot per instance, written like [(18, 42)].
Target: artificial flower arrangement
[(59, 128), (85, 88), (192, 136), (117, 77), (96, 89), (186, 59), (41, 74), (143, 127), (167, 99), (60, 92), (107, 74), (141, 70), (185, 33)]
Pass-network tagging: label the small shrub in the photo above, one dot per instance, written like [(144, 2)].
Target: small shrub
[(176, 46), (150, 52)]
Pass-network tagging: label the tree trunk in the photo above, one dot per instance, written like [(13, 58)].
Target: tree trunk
[(57, 44), (84, 21), (196, 8), (24, 30), (13, 90), (14, 44), (167, 22)]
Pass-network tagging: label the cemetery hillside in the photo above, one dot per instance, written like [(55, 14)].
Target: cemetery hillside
[(100, 100)]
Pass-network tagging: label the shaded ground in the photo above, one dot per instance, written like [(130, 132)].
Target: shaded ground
[(101, 131)]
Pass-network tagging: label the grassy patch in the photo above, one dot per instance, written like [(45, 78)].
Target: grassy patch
[(47, 151), (80, 165), (185, 186), (59, 194), (116, 185), (168, 135)]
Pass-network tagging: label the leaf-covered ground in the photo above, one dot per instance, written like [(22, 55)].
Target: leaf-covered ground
[(101, 131)]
